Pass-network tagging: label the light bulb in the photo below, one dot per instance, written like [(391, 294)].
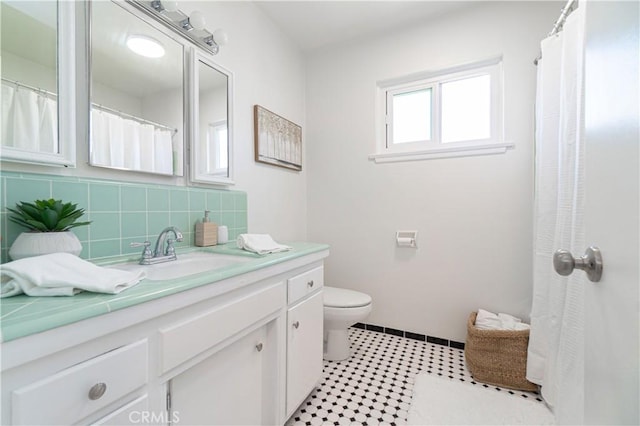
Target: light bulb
[(197, 21), (145, 46), (169, 5), (220, 37)]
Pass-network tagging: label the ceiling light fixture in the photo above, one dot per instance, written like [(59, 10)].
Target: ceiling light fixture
[(189, 26), (145, 46)]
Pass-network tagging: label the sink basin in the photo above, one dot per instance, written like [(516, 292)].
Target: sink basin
[(186, 264)]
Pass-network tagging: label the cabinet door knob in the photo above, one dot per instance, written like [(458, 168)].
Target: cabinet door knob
[(259, 347), (97, 391), (296, 324), (310, 283)]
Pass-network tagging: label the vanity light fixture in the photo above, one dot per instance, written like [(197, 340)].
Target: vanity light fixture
[(145, 46), (189, 26)]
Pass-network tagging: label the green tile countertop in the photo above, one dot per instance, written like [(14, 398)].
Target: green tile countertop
[(22, 315)]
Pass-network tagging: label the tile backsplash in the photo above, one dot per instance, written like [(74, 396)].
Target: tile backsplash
[(121, 212)]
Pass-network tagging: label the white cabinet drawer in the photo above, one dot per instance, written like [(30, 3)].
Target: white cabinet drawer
[(134, 413), (305, 283), (187, 339), (64, 397)]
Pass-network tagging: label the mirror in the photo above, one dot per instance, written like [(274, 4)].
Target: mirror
[(137, 90), (212, 152), (32, 99)]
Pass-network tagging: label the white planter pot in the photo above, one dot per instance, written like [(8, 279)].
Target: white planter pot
[(30, 244)]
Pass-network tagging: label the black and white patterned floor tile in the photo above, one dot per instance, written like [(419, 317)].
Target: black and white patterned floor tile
[(374, 386)]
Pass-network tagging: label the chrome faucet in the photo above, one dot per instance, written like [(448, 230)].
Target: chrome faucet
[(160, 253)]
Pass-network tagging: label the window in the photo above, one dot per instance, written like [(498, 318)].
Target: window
[(466, 109), (411, 115), (216, 155), (452, 112)]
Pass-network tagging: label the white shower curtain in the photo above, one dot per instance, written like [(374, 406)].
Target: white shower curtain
[(48, 124), (117, 139), (163, 151), (29, 120), (147, 148), (7, 103), (132, 147), (556, 351), (124, 143), (100, 152)]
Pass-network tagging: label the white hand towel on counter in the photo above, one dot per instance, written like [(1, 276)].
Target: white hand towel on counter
[(260, 243), (486, 320), (62, 274)]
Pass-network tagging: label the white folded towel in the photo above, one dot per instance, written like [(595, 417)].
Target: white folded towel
[(486, 320), (260, 243), (62, 274)]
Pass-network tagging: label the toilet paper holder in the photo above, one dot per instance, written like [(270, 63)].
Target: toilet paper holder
[(407, 239)]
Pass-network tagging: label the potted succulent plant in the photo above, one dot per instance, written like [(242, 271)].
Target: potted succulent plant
[(49, 222)]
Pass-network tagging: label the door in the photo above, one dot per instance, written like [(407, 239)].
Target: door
[(225, 389), (304, 349), (611, 211)]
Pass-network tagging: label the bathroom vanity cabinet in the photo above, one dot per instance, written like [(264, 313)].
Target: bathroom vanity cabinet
[(220, 353), (304, 335)]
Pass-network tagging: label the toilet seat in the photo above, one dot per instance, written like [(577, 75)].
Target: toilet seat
[(343, 298)]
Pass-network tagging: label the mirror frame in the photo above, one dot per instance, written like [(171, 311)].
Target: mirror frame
[(194, 114), (66, 66)]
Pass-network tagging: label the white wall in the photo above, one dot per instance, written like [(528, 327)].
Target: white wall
[(116, 99), (18, 68), (474, 215)]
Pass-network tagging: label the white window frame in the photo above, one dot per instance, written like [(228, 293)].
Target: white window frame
[(435, 148)]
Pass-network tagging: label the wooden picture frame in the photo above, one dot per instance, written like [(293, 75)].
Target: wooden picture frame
[(278, 141)]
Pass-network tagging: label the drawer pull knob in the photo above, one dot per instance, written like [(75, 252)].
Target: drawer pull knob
[(310, 283), (259, 347), (296, 324), (97, 391)]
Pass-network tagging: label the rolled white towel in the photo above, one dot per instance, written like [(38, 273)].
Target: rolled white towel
[(486, 320), (512, 323), (260, 243), (62, 274)]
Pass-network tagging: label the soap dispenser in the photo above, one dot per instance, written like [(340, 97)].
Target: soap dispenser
[(206, 232)]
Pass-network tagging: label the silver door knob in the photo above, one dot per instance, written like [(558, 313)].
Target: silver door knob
[(259, 347), (564, 263)]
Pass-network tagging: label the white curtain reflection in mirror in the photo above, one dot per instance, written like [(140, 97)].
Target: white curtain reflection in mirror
[(128, 144), (29, 118), (29, 113)]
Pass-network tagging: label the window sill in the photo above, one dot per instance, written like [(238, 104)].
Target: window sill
[(451, 152)]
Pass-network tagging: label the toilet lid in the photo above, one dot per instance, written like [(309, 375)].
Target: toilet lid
[(343, 298)]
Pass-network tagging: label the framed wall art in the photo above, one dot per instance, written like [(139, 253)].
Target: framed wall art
[(278, 141)]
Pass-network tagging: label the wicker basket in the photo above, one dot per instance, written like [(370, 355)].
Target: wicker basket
[(498, 357)]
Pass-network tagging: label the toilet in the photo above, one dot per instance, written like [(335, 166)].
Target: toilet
[(342, 308)]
